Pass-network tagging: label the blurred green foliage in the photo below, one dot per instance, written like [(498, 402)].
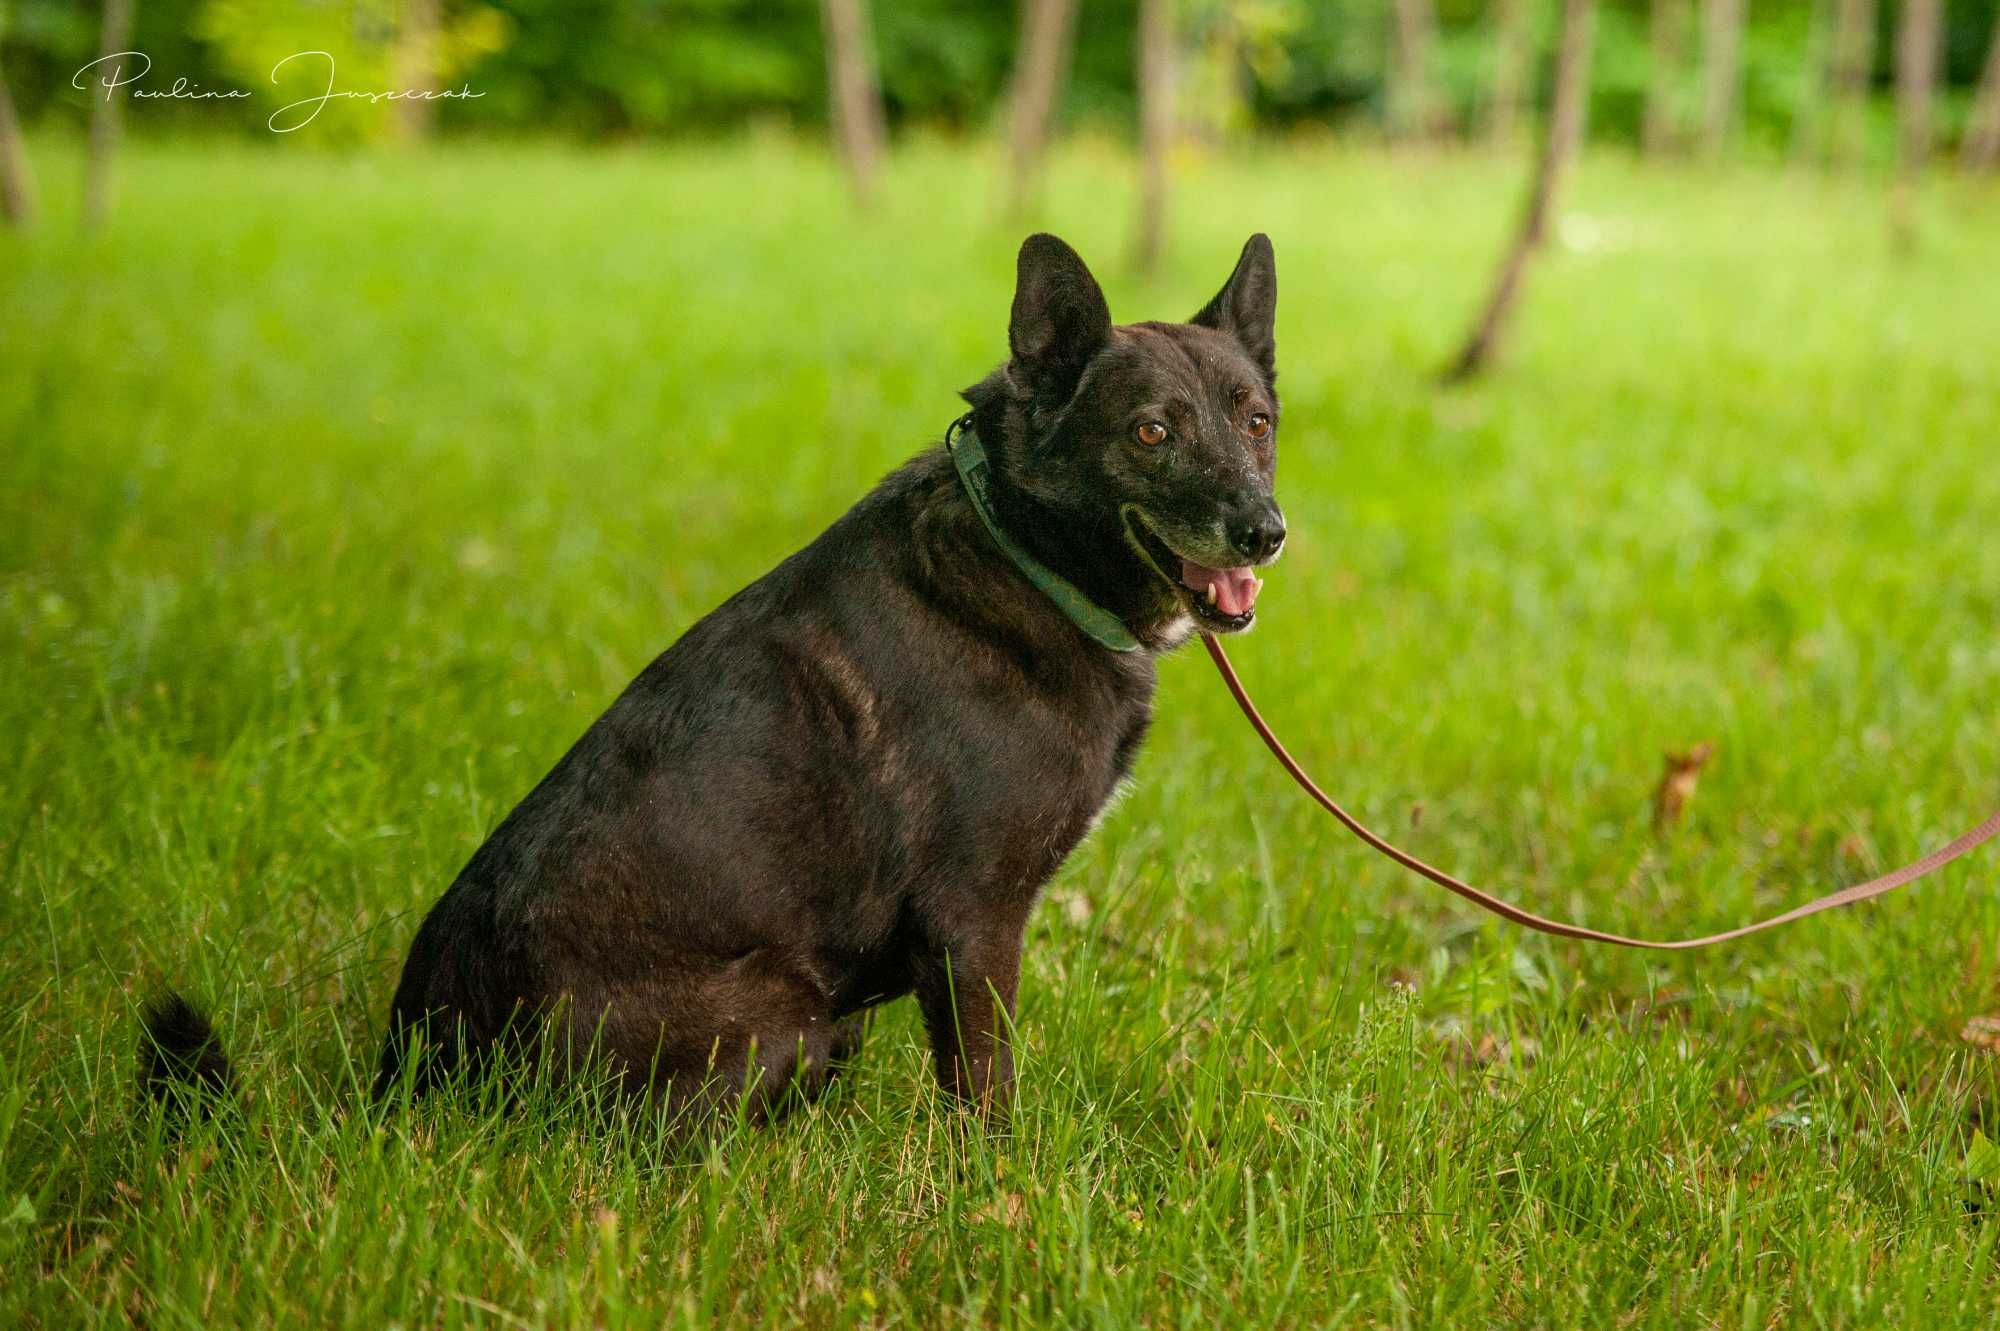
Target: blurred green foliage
[(257, 45), (599, 68)]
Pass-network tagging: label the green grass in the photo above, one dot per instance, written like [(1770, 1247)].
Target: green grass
[(340, 494)]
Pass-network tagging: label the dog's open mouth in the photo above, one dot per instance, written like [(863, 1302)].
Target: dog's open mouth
[(1223, 600)]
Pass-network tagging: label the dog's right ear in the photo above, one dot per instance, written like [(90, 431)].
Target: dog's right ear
[(1060, 320)]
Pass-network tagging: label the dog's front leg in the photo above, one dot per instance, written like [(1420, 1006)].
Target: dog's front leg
[(966, 988)]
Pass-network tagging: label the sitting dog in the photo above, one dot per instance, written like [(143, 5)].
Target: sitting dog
[(851, 780)]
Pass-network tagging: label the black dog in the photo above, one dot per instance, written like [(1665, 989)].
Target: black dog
[(851, 780)]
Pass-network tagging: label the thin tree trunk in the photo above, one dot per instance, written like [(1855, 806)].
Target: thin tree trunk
[(1669, 58), (1981, 149), (1559, 145), (1917, 41), (1916, 81), (1809, 115), (1416, 111), (1048, 29), (114, 37), (1853, 72), (854, 93), (1513, 45), (17, 178), (1722, 24), (416, 69), (1156, 126)]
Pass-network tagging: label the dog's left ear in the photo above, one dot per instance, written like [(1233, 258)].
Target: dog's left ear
[(1247, 306)]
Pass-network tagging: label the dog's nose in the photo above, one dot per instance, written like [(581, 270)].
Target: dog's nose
[(1258, 536)]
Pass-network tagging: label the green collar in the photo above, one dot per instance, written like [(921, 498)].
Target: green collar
[(969, 456)]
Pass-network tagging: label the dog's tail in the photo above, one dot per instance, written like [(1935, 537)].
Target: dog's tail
[(181, 1062)]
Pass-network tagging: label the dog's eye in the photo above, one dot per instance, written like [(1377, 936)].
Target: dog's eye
[(1260, 425), (1151, 433)]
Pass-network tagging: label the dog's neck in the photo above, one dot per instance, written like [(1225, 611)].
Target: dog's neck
[(1085, 548)]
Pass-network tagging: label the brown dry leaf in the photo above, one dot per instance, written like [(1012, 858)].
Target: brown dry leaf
[(1008, 1209), (1982, 1032), (1492, 1049), (1677, 783)]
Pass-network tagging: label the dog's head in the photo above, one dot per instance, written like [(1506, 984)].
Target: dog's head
[(1141, 457)]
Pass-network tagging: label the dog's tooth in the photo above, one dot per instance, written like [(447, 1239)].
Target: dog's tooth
[(1211, 593)]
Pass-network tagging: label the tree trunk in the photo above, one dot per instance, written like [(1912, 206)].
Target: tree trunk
[(854, 94), (1916, 81), (1809, 115), (1982, 131), (1669, 58), (17, 179), (1513, 46), (1048, 29), (416, 69), (1722, 22), (114, 37), (1917, 40), (1156, 126), (1559, 144), (1853, 71), (1416, 111)]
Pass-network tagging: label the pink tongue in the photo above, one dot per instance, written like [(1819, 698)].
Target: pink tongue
[(1235, 588)]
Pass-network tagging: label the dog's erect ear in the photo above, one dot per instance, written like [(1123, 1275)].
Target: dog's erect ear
[(1060, 320), (1247, 306)]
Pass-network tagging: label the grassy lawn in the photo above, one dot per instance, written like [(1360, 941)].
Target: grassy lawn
[(340, 494)]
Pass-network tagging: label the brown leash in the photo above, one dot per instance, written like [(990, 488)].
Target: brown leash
[(1846, 896)]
